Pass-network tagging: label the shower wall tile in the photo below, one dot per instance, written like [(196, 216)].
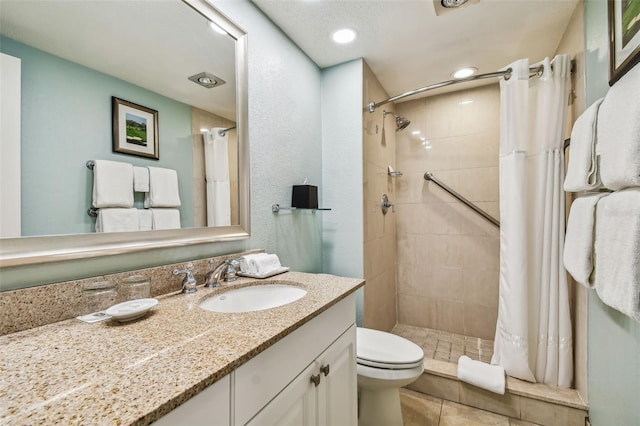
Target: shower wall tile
[(448, 256), (479, 287), (480, 321), (383, 297), (480, 252), (379, 230)]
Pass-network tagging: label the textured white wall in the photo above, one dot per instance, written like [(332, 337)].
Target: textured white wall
[(286, 146), (342, 100)]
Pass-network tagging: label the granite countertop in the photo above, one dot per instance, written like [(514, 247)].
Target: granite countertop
[(71, 372)]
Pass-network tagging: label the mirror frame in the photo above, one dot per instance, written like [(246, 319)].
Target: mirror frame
[(56, 248)]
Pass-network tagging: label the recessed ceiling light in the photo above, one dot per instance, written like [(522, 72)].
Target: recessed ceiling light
[(345, 35), (217, 28), (465, 102), (464, 72)]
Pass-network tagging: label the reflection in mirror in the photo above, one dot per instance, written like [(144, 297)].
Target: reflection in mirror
[(67, 61), (73, 59)]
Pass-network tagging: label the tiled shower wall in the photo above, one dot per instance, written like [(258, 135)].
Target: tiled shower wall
[(379, 230), (447, 255)]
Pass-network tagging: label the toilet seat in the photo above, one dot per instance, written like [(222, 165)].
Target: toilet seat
[(384, 350)]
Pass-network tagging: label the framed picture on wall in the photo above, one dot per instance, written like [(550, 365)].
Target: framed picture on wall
[(624, 37), (135, 129)]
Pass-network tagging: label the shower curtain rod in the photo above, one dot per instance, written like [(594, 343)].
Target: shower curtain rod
[(536, 70), (223, 132)]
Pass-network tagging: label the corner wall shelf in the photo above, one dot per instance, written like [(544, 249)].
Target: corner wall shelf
[(275, 208)]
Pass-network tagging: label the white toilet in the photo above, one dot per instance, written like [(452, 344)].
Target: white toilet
[(386, 362)]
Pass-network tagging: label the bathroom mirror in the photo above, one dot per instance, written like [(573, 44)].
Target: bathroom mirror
[(109, 41)]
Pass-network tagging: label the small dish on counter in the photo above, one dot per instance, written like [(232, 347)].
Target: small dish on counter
[(280, 270), (131, 310)]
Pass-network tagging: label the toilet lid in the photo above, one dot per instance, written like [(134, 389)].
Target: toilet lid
[(385, 350)]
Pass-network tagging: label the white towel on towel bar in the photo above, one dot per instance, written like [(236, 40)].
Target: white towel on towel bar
[(582, 172), (617, 251), (146, 219), (619, 133), (112, 184), (163, 188), (578, 242), (140, 179), (117, 220), (481, 374), (166, 218)]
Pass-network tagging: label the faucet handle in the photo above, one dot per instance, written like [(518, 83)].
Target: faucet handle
[(232, 270), (189, 281)]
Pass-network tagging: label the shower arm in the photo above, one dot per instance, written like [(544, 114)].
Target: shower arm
[(535, 70)]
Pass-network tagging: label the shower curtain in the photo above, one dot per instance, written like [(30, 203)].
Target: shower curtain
[(533, 334), (216, 165)]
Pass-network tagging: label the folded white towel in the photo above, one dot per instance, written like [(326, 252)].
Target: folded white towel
[(112, 184), (619, 133), (146, 219), (265, 264), (578, 242), (140, 179), (246, 266), (166, 218), (582, 172), (617, 251), (117, 220), (481, 374), (163, 188)]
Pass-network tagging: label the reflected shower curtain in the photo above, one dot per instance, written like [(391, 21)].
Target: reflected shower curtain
[(216, 170), (533, 334)]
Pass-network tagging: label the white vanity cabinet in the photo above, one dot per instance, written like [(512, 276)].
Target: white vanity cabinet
[(211, 407), (323, 394), (307, 378)]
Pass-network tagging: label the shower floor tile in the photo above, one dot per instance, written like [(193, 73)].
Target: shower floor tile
[(445, 346)]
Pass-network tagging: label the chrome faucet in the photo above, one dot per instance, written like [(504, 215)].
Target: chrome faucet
[(225, 270), (189, 281)]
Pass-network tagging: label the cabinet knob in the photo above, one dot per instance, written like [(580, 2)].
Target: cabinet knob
[(315, 379), (325, 369)]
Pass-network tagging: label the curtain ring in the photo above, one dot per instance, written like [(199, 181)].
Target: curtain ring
[(507, 76)]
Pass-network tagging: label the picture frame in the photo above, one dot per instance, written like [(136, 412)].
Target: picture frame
[(135, 129), (624, 37)]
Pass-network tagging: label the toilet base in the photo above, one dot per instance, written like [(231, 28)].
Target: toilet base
[(379, 407)]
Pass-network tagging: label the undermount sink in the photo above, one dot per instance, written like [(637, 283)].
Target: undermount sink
[(253, 298)]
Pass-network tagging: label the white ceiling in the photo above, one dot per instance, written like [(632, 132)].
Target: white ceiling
[(408, 46), (156, 46)]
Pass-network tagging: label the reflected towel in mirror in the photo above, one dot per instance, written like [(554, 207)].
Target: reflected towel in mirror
[(163, 188), (112, 184)]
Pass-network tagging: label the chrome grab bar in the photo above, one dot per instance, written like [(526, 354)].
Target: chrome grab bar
[(429, 176)]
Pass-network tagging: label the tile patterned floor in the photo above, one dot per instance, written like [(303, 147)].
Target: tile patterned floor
[(445, 346), (423, 410)]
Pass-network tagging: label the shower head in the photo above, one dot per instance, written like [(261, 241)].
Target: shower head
[(401, 122)]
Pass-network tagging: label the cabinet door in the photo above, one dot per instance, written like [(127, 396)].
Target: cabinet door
[(211, 407), (338, 390), (294, 406)]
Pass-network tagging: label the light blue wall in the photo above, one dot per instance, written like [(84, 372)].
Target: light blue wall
[(286, 146), (66, 120), (342, 100), (613, 339)]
